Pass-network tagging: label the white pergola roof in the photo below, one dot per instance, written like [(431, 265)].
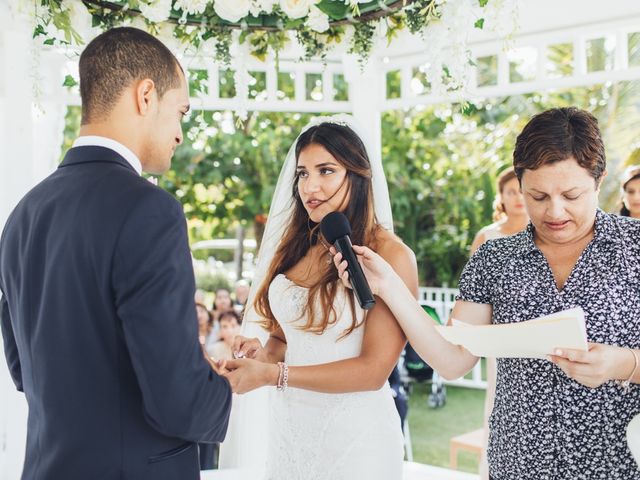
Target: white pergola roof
[(543, 23)]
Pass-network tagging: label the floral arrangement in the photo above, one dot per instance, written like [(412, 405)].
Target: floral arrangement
[(228, 31)]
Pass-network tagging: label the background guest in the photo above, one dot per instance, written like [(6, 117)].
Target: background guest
[(205, 319), (241, 294), (222, 303), (229, 327), (509, 214), (630, 185)]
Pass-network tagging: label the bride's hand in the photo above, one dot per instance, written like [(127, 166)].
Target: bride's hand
[(244, 347), (378, 272), (245, 374)]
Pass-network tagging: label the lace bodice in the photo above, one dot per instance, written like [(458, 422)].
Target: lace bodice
[(307, 348)]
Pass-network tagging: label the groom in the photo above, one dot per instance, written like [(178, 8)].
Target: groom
[(98, 313)]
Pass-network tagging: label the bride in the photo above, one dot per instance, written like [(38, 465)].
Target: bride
[(332, 414)]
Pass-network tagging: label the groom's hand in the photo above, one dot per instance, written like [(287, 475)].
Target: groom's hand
[(246, 374), (215, 365)]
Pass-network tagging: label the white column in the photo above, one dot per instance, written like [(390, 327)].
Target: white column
[(366, 94), (16, 176), (29, 149)]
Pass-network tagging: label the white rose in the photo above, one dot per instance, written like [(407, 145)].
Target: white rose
[(318, 20), (166, 36), (296, 8), (80, 19), (232, 10), (156, 11), (192, 7), (260, 6)]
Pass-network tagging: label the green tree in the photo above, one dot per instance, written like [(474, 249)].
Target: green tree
[(225, 174)]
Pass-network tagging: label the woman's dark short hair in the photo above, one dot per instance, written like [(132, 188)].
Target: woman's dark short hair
[(114, 60), (556, 135), (231, 314)]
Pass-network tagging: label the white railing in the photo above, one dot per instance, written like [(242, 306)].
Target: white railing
[(442, 301), (526, 66)]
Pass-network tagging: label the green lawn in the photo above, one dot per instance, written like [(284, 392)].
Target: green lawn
[(431, 429)]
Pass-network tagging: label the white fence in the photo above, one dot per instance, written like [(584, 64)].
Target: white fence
[(442, 301)]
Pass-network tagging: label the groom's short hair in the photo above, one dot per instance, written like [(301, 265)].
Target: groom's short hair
[(114, 60)]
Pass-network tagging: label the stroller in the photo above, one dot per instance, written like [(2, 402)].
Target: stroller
[(418, 370)]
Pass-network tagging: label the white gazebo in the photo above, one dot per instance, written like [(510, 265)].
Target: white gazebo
[(33, 102)]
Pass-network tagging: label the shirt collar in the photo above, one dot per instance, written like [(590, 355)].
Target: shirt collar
[(111, 144), (605, 230)]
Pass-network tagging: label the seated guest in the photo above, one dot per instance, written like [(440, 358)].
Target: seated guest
[(399, 395), (207, 336), (241, 294), (229, 328), (222, 303), (630, 185), (205, 319)]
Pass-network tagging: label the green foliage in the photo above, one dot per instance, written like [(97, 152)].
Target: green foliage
[(335, 10), (223, 174), (441, 183), (487, 70), (362, 41), (431, 429), (223, 40), (340, 88), (633, 47), (419, 14), (69, 81), (71, 128), (394, 82), (210, 282), (198, 82)]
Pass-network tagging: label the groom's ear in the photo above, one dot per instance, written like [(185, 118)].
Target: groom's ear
[(145, 95)]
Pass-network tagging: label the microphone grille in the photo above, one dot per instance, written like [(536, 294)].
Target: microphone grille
[(335, 225)]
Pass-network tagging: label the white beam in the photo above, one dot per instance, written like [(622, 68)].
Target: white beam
[(17, 175), (541, 40), (519, 88)]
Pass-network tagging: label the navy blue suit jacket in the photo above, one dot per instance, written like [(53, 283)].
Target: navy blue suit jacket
[(100, 328)]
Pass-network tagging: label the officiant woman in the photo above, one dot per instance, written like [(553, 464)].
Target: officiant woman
[(563, 417)]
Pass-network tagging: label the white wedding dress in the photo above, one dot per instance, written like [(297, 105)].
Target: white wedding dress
[(327, 436)]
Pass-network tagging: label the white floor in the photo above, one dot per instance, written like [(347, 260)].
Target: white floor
[(412, 471)]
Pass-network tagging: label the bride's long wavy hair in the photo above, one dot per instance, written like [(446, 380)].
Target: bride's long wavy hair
[(301, 233)]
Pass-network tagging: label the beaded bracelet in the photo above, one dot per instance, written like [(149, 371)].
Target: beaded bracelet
[(283, 377), (626, 384), (280, 372)]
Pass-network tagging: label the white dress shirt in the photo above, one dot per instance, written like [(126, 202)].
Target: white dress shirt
[(98, 141)]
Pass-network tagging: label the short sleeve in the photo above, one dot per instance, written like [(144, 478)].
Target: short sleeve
[(476, 279)]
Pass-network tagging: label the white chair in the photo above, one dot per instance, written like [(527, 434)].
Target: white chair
[(408, 449)]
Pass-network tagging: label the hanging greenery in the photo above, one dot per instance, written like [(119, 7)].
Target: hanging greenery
[(217, 29)]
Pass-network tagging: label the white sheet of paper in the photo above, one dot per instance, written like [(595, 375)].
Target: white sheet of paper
[(535, 338)]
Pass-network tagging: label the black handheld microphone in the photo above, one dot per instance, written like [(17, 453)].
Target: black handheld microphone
[(336, 229)]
